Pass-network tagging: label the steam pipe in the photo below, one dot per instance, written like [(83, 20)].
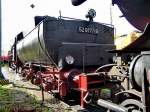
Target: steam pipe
[(111, 106)]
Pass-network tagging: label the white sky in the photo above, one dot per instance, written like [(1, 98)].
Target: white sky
[(17, 15)]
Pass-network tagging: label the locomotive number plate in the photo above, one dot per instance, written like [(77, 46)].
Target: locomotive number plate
[(88, 30)]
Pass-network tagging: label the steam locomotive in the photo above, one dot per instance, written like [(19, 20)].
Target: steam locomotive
[(70, 56), (136, 12)]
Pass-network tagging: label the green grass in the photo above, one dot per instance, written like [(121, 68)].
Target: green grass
[(9, 101), (3, 64), (4, 94)]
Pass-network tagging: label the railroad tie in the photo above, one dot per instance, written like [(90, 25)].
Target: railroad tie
[(4, 82)]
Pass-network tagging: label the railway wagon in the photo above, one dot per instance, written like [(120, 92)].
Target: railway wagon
[(62, 54)]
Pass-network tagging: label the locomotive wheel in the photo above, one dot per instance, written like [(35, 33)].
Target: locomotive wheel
[(132, 105)]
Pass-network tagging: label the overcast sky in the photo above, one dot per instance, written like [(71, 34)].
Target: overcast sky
[(17, 15)]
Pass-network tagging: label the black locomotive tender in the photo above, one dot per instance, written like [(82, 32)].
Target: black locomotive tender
[(63, 42)]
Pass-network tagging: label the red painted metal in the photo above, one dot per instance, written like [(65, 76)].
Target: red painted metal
[(63, 89), (47, 86), (68, 79), (47, 79), (36, 81), (64, 81), (30, 75), (83, 82), (5, 58), (82, 102)]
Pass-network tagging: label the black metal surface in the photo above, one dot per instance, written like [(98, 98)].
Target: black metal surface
[(135, 11), (53, 39), (77, 2), (38, 19), (19, 36)]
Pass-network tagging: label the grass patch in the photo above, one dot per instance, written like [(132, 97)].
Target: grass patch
[(13, 100), (19, 108), (3, 64), (5, 94)]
